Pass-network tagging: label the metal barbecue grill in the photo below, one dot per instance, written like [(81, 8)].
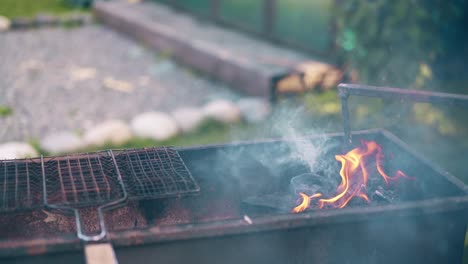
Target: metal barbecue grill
[(20, 185), (425, 224)]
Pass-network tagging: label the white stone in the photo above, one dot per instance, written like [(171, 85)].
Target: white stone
[(4, 24), (111, 131), (223, 111), (17, 150), (154, 125), (61, 142), (188, 119), (254, 109)]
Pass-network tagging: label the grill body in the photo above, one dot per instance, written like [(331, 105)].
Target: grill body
[(389, 239), (427, 226)]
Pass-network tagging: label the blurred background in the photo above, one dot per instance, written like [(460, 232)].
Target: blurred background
[(408, 44), (72, 82)]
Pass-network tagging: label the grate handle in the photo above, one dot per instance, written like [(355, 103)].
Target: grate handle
[(346, 90), (80, 231), (101, 209)]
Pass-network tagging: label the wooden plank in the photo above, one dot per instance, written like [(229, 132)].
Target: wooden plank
[(100, 254)]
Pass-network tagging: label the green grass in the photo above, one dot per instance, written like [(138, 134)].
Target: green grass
[(30, 8), (5, 111)]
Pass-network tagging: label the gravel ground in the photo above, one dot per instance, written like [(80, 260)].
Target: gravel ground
[(58, 78)]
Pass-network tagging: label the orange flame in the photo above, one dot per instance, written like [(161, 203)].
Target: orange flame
[(305, 202), (354, 175)]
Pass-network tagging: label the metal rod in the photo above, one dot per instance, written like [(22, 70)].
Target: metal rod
[(93, 177), (16, 184), (345, 90), (404, 94), (72, 181), (106, 181), (5, 187), (44, 188), (83, 181), (163, 169), (28, 184), (345, 114), (175, 170)]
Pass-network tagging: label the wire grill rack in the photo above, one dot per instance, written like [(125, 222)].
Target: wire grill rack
[(20, 184), (81, 180), (103, 180), (155, 173)]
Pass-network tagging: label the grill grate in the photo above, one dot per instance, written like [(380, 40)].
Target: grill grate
[(20, 184), (81, 180), (100, 179), (155, 173)]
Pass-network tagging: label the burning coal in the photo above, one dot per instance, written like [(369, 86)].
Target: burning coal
[(355, 172)]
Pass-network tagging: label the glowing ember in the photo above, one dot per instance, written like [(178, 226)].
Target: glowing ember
[(354, 175)]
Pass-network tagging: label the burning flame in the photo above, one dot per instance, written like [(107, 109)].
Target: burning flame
[(354, 175), (305, 202)]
